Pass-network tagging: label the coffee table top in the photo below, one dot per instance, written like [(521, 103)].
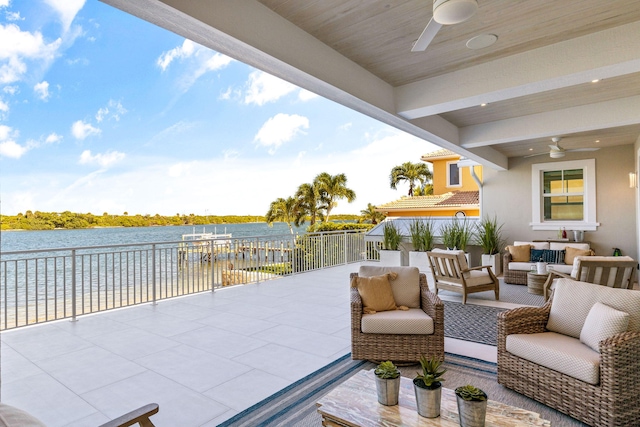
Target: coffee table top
[(354, 403)]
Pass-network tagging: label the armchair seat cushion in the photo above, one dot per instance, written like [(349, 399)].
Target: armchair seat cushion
[(475, 278), (410, 322), (558, 352)]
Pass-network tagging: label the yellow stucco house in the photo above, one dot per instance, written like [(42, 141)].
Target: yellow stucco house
[(455, 190)]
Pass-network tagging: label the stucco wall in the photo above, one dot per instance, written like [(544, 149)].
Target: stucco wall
[(440, 178), (508, 195)]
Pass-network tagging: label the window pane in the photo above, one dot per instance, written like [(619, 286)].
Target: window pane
[(454, 174), (552, 182), (564, 208), (573, 181)]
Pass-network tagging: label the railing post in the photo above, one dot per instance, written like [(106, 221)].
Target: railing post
[(212, 261), (322, 250), (73, 286), (153, 280), (346, 257)]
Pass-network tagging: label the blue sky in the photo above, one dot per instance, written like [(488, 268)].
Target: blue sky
[(103, 112)]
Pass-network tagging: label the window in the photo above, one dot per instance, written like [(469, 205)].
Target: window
[(564, 195), (453, 175)]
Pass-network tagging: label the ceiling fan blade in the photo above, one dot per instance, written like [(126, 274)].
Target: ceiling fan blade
[(539, 154), (556, 147), (427, 35), (583, 149)]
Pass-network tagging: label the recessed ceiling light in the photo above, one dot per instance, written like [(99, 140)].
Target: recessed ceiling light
[(595, 80), (481, 41), (597, 140), (530, 149), (484, 104)]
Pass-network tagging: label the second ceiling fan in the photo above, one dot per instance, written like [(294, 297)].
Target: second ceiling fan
[(557, 152), (445, 12)]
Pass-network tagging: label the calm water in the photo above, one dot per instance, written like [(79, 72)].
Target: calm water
[(54, 239)]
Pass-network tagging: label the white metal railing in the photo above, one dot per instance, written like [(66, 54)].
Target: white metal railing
[(49, 284)]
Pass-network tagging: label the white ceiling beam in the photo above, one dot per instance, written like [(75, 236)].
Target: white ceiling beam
[(563, 64), (602, 115)]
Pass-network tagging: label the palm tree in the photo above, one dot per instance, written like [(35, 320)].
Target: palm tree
[(410, 172), (331, 188), (308, 204), (371, 215), (283, 210), (425, 190)]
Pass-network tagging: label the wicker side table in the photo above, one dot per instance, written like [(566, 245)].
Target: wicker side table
[(535, 283)]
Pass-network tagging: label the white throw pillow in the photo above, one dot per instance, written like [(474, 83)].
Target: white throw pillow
[(602, 322)]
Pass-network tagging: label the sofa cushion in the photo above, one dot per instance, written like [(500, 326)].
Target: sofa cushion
[(572, 301), (520, 253), (601, 323), (412, 321), (534, 245), (375, 292), (558, 352), (536, 255), (553, 256), (558, 246), (475, 278), (14, 417), (405, 287), (571, 253), (577, 261)]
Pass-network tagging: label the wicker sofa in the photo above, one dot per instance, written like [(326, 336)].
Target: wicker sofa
[(397, 345), (516, 272), (574, 357)]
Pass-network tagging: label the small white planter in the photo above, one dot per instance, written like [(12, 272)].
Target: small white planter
[(494, 261), (391, 258), (420, 260)]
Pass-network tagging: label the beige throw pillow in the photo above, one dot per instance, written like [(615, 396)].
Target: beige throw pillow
[(571, 253), (520, 253), (375, 292), (602, 322)]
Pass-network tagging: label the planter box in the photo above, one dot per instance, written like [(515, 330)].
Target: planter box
[(420, 260), (392, 258), (494, 261)]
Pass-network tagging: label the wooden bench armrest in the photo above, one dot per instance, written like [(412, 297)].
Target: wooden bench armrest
[(553, 275), (137, 416)]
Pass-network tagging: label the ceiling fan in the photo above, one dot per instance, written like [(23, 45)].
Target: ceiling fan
[(557, 152), (445, 12)]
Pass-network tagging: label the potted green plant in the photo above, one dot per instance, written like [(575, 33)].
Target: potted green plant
[(456, 235), (387, 383), (427, 386), (391, 238), (422, 238), (472, 406), (489, 237)]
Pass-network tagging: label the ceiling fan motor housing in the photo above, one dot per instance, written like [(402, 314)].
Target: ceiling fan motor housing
[(554, 154), (449, 12)]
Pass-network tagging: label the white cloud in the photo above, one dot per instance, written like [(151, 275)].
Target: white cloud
[(104, 160), (4, 107), (113, 110), (345, 126), (67, 9), (11, 90), (4, 3), (14, 16), (53, 138), (12, 149), (264, 88), (42, 90), (180, 52), (5, 132), (16, 46), (81, 130), (306, 95), (279, 129)]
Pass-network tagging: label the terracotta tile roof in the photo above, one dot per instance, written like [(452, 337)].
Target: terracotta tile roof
[(461, 198), (452, 199), (439, 154)]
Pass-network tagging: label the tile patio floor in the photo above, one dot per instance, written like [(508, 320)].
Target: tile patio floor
[(203, 358)]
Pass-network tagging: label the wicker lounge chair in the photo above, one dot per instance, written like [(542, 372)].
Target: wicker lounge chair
[(608, 398), (398, 347)]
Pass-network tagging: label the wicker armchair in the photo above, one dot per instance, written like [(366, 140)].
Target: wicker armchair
[(612, 402), (400, 347)]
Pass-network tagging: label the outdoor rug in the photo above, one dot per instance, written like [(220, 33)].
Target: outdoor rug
[(468, 322), (296, 404), (516, 294)]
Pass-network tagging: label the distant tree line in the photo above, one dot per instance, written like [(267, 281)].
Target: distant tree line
[(69, 220)]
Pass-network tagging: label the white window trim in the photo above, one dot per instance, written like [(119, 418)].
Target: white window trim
[(589, 223), (449, 185)]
